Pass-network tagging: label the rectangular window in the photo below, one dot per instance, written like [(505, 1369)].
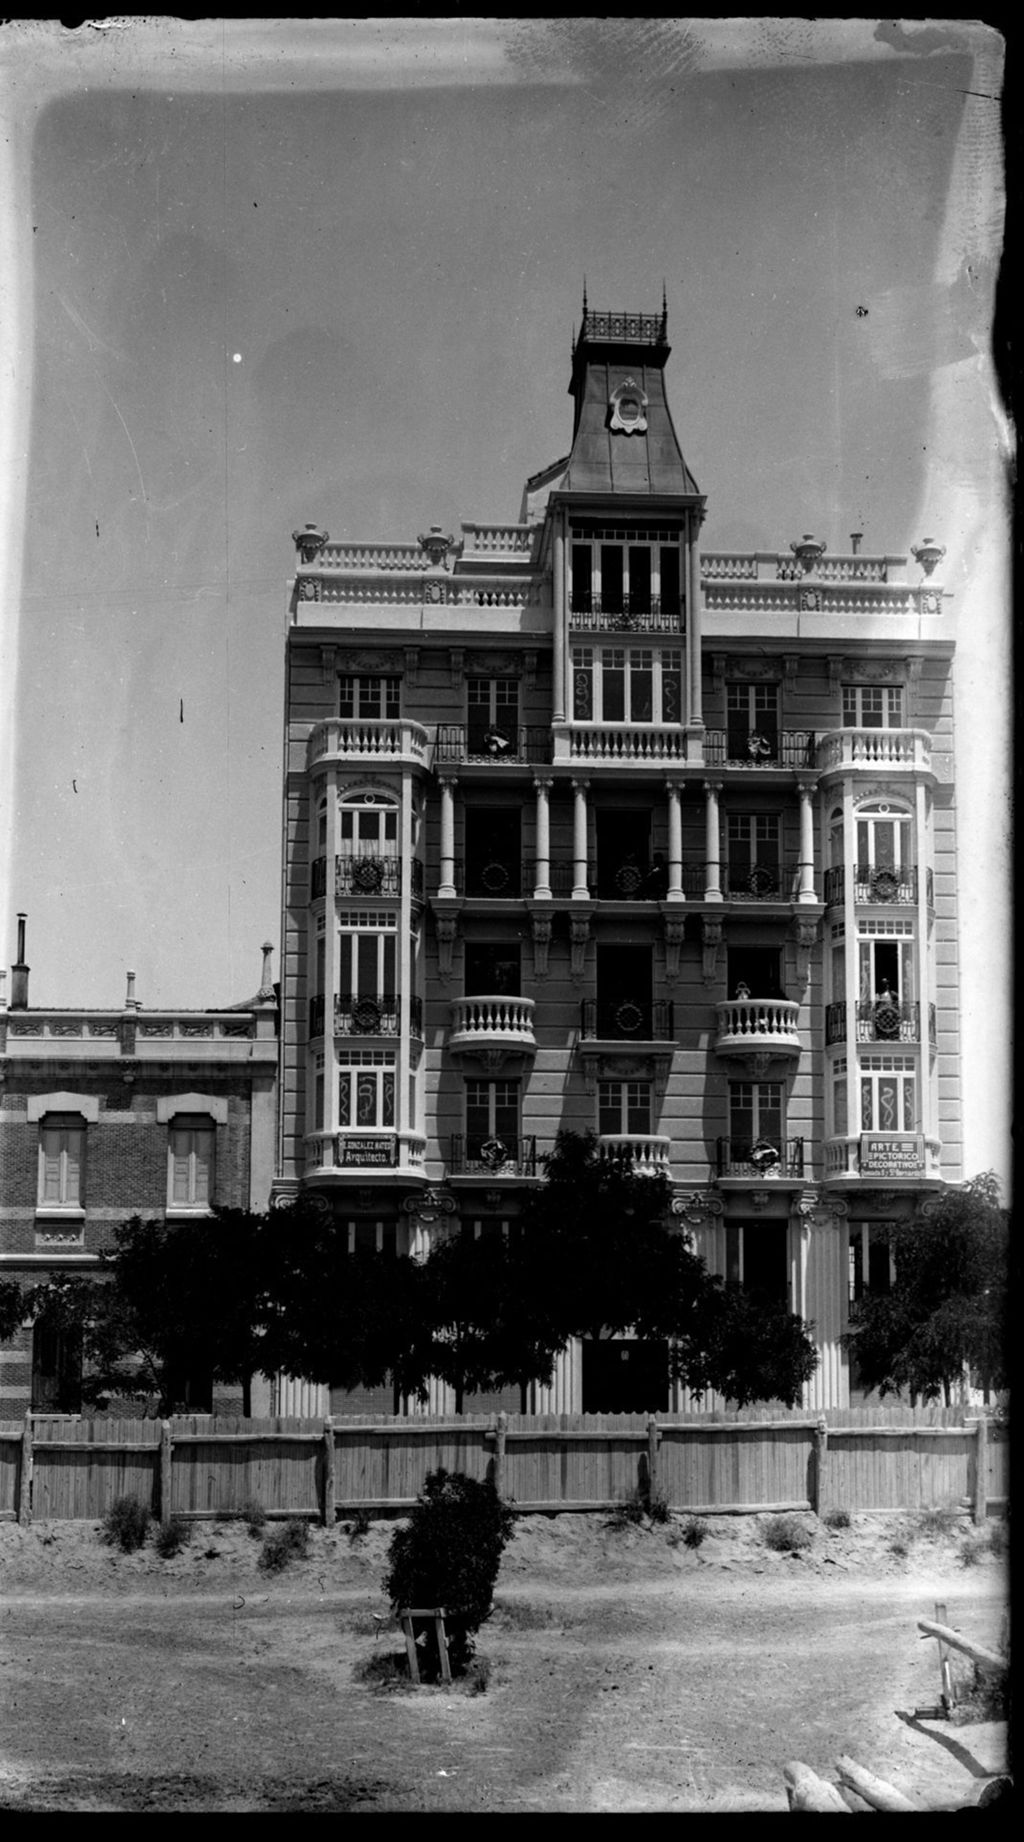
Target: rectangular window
[(370, 699), (623, 1106), (755, 1114), (757, 1258), (493, 716), (888, 1094), (492, 1119), (872, 706), (61, 1161), (492, 969), (192, 1139), (619, 569), (840, 1110), (366, 1090), (752, 722), (871, 1264), (753, 841), (627, 684)]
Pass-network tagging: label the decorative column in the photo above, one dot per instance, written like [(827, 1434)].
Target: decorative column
[(581, 888), (806, 886), (542, 861), (559, 636), (712, 857), (675, 842), (447, 883), (695, 708)]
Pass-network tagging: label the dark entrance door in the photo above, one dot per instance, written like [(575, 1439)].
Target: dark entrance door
[(622, 1376), (623, 853)]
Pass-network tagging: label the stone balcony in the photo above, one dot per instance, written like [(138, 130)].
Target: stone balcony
[(758, 1026), (877, 1159), (595, 743), (363, 742), (345, 1153), (647, 1154), (494, 1028), (909, 750)]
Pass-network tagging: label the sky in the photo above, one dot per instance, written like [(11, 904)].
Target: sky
[(263, 273)]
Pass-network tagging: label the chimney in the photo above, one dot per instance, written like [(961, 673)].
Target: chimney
[(20, 972), (855, 537)]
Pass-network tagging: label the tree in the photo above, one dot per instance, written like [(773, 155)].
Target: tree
[(485, 1321), (448, 1556), (947, 1309), (14, 1308), (598, 1242)]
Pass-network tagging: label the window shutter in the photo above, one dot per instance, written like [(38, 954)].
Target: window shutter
[(180, 1167), (203, 1167), (73, 1166), (51, 1166)]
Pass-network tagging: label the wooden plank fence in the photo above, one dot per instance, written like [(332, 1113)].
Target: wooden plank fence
[(65, 1468)]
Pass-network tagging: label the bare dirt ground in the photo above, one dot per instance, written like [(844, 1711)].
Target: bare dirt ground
[(627, 1672)]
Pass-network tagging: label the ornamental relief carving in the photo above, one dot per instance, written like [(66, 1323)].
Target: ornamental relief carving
[(495, 664), (870, 670), (370, 662)]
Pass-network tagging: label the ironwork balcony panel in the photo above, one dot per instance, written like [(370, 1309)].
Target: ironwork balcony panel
[(491, 1155), (626, 1020), (758, 1026), (518, 744), (885, 883), (762, 1159), (785, 748), (317, 878), (885, 1020), (368, 875), (835, 1022), (497, 879), (766, 881), (648, 1154), (626, 614), (356, 1014)]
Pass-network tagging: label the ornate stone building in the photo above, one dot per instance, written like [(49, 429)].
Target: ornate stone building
[(105, 1114), (588, 828)]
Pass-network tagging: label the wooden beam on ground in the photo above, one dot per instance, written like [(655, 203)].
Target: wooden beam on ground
[(806, 1791), (985, 1659), (874, 1791)]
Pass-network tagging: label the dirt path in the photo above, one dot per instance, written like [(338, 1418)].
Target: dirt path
[(625, 1674)]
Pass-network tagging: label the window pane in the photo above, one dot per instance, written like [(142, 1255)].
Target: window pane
[(670, 580), (388, 1083), (581, 578), (639, 580), (611, 578), (366, 1100), (583, 693), (638, 1107), (641, 693)]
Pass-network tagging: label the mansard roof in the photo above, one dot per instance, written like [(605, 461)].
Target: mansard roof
[(623, 355)]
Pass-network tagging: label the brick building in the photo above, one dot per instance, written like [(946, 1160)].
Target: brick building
[(106, 1114), (586, 828)]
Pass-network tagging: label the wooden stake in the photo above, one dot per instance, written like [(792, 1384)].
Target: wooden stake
[(820, 1469), (329, 1474), (874, 1791), (985, 1659), (25, 1491), (981, 1471)]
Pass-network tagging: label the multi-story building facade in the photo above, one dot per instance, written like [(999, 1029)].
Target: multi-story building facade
[(585, 828), (106, 1114)]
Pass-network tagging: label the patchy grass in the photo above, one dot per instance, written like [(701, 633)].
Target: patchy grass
[(358, 1525), (836, 1519), (640, 1505), (937, 1524), (786, 1535), (126, 1524), (289, 1542), (692, 1534), (254, 1516)]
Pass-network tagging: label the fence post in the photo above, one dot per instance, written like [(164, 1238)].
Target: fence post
[(329, 1473), (25, 1492), (980, 1510), (165, 1470), (820, 1479), (499, 1456), (652, 1458)]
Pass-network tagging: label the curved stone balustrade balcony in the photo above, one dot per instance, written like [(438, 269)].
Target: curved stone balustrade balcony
[(758, 1026), (360, 741), (875, 748), (647, 1153), (878, 1158), (493, 1027)]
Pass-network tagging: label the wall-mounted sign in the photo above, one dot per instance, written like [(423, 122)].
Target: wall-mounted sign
[(891, 1154), (363, 1151)]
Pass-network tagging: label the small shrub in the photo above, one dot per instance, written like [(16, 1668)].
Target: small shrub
[(386, 1671), (449, 1555), (629, 1511), (785, 1535), (254, 1516), (899, 1548), (937, 1524), (838, 1519), (126, 1524), (998, 1536), (287, 1543), (172, 1536), (972, 1549), (695, 1532), (657, 1506), (359, 1525)]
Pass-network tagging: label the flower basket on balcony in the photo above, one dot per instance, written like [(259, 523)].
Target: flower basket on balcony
[(764, 1158), (493, 1153)]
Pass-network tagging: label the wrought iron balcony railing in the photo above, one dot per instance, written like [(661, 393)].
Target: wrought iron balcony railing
[(496, 742), (491, 1155), (368, 875), (499, 878), (784, 748), (626, 1020), (355, 1014), (760, 1158), (764, 881), (873, 883), (625, 614), (878, 1020)]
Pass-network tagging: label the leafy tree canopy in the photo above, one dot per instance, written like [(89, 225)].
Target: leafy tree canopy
[(947, 1309)]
